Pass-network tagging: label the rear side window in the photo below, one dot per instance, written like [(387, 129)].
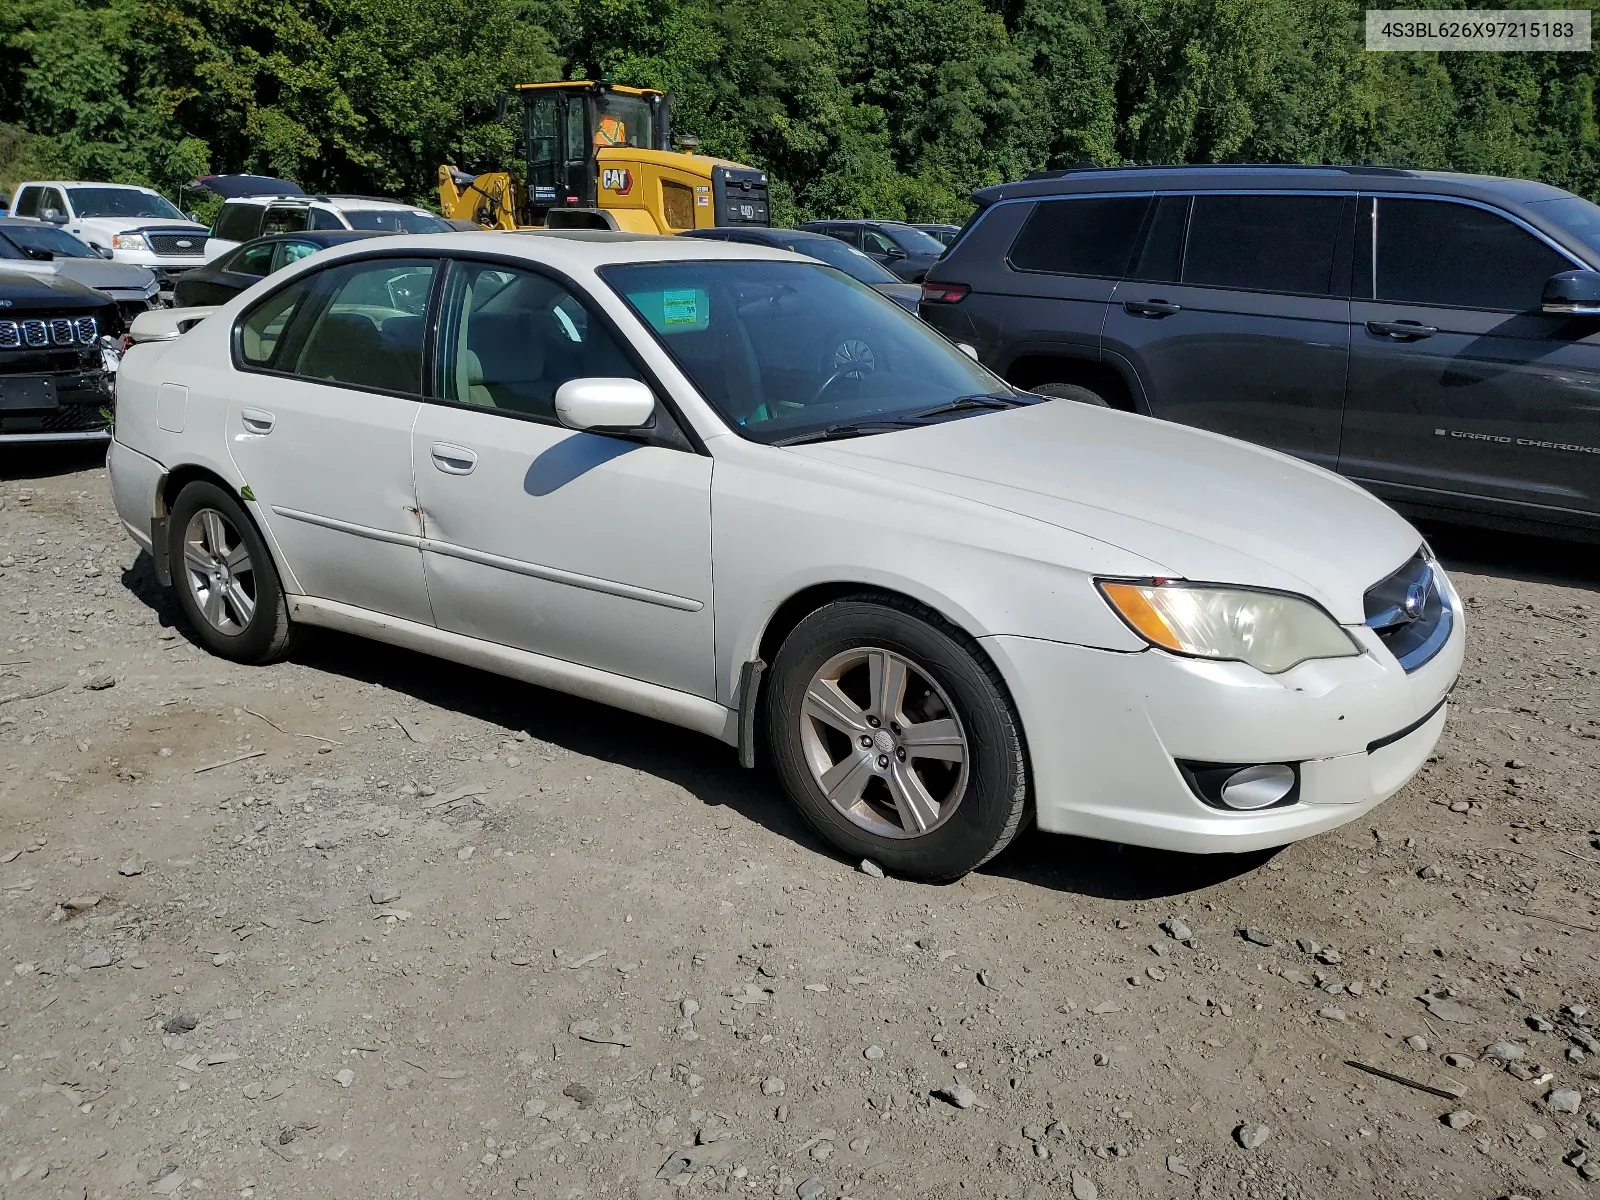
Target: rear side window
[(1094, 235), (364, 326), (325, 218), (1436, 252), (1263, 243), (27, 204), (284, 219), (237, 222), (261, 329)]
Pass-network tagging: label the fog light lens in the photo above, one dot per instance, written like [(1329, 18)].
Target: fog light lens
[(1258, 787)]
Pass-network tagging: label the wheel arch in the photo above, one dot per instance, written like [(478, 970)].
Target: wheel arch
[(173, 483), (1029, 370)]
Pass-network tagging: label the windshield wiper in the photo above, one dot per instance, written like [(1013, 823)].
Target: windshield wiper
[(983, 400), (847, 430)]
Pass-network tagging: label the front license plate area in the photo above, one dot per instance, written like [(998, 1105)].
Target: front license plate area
[(27, 393)]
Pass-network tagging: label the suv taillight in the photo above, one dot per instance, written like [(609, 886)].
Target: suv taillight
[(944, 293)]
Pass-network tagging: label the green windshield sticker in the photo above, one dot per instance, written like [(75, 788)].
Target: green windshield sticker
[(680, 307), (674, 310)]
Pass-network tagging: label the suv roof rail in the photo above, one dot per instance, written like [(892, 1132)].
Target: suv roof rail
[(355, 196), (1344, 169)]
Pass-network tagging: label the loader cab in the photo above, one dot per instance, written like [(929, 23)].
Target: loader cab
[(564, 124)]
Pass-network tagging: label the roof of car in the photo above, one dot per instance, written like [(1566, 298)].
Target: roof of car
[(348, 202), (758, 233), (130, 187), (575, 249), (1254, 176)]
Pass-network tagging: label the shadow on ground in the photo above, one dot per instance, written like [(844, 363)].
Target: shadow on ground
[(40, 460), (1517, 556)]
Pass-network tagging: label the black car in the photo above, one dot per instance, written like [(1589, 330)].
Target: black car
[(57, 364), (247, 265), (823, 248), (905, 250), (1433, 336)]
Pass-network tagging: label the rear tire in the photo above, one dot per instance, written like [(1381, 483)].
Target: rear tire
[(226, 582), (895, 738), (1071, 391)]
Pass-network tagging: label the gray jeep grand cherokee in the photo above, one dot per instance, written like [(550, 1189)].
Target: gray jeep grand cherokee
[(1435, 337)]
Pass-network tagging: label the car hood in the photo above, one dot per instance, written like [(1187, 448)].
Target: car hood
[(106, 275), (906, 295), (136, 224), (1201, 506), (26, 293)]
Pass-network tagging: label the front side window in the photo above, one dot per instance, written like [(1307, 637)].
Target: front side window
[(913, 240), (1264, 243), (784, 351), (285, 218), (357, 323), (1436, 252), (1092, 236), (121, 202), (874, 242), (509, 338), (253, 260), (54, 203), (293, 252), (395, 220)]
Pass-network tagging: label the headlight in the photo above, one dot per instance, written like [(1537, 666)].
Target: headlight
[(129, 241), (1270, 631)]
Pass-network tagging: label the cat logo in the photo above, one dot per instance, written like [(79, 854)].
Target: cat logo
[(617, 179)]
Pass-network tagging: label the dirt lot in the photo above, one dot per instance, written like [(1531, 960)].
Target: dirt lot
[(424, 931)]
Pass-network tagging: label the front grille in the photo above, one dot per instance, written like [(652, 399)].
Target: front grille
[(1410, 612), (50, 331), (177, 245)]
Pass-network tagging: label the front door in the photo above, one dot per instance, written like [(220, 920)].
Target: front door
[(1463, 393), (319, 425), (591, 549), (1242, 326)]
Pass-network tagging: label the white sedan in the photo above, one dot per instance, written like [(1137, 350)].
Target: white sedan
[(735, 490)]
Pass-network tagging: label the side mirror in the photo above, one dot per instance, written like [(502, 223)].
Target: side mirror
[(1572, 294), (604, 405), (102, 251), (192, 216), (54, 215), (894, 252), (968, 349)]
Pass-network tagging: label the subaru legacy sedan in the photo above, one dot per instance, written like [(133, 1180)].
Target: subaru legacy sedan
[(738, 491)]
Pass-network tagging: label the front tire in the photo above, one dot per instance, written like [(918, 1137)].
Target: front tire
[(226, 582), (895, 738), (1071, 391)]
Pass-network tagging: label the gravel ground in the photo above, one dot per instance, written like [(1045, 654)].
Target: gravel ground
[(368, 924)]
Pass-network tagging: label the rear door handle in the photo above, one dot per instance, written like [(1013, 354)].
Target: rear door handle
[(1151, 308), (256, 420), (1402, 331), (453, 460)]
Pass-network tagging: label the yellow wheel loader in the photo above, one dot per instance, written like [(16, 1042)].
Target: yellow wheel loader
[(599, 157)]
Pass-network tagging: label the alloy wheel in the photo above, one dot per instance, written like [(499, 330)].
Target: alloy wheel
[(219, 572), (884, 743)]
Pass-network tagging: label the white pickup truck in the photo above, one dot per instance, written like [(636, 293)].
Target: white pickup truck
[(125, 223)]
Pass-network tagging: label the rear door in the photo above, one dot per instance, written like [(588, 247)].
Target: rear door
[(1236, 316), (1463, 394)]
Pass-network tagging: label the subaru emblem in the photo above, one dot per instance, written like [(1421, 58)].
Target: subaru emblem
[(1416, 600)]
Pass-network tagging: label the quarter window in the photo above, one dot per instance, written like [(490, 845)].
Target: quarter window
[(365, 325), (1264, 243), (1436, 252), (1089, 236), (510, 338)]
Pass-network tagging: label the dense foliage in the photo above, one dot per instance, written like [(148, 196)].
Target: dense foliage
[(887, 107)]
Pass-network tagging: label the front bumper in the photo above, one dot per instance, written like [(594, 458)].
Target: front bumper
[(1105, 732)]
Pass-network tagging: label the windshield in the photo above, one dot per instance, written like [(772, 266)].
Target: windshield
[(912, 241), (623, 121), (782, 350), (1576, 215), (45, 238), (395, 220), (120, 202), (847, 258)]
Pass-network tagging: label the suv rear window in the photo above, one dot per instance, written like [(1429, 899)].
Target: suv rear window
[(237, 222), (1264, 243), (1091, 235)]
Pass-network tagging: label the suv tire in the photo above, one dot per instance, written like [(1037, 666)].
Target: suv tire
[(895, 738), (226, 582), (1071, 391)]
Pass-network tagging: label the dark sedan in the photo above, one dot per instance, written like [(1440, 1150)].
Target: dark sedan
[(825, 249), (906, 251), (247, 265)]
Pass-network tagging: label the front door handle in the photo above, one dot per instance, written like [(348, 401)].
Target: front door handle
[(1151, 308), (453, 460), (1402, 331), (256, 420)]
